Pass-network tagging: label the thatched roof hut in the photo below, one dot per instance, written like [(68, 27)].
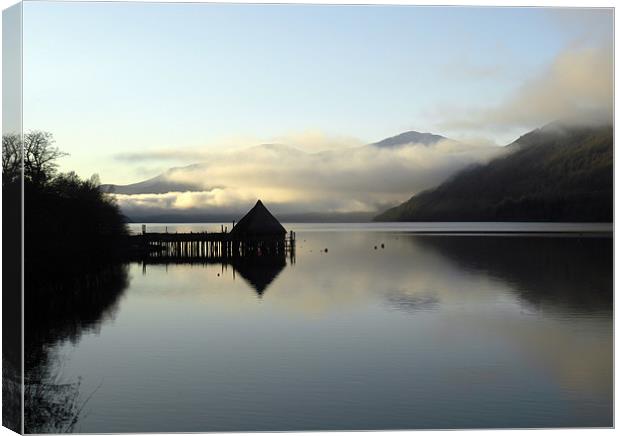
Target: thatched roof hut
[(258, 223)]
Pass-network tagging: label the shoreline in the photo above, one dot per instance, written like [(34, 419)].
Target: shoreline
[(420, 228), (573, 233)]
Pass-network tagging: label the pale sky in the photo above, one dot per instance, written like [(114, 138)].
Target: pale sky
[(111, 79)]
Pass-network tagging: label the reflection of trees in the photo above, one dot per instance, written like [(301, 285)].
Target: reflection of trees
[(11, 287), (67, 306), (60, 308), (11, 280), (71, 231), (560, 272), (50, 405), (11, 393)]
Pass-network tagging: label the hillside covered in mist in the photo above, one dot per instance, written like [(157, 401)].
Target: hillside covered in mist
[(560, 172), (342, 182)]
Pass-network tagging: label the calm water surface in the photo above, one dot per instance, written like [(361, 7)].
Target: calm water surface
[(430, 331)]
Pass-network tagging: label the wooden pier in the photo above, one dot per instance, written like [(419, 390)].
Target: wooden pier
[(257, 235), (209, 246)]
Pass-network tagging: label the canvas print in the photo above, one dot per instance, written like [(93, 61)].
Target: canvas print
[(291, 217)]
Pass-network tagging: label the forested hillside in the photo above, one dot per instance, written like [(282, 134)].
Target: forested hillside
[(556, 173)]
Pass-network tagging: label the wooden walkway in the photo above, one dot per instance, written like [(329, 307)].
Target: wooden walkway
[(209, 246)]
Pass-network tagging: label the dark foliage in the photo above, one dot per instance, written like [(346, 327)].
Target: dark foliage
[(11, 158), (557, 173), (68, 222), (74, 237), (11, 283)]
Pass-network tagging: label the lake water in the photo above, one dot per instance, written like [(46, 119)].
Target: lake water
[(388, 329)]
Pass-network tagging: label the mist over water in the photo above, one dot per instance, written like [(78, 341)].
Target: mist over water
[(387, 329)]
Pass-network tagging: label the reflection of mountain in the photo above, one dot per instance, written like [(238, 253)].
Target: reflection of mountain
[(557, 173), (259, 272), (555, 273)]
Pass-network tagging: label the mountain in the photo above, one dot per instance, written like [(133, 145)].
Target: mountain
[(160, 184), (560, 172), (165, 182), (168, 180), (209, 216), (411, 137)]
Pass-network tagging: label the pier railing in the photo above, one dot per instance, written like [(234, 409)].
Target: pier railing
[(210, 246)]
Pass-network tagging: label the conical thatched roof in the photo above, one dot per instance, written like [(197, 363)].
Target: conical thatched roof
[(258, 222)]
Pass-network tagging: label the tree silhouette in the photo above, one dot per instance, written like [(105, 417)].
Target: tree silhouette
[(40, 156), (74, 240), (39, 152), (68, 221), (11, 158)]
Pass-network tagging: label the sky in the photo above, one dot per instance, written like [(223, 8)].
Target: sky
[(132, 89)]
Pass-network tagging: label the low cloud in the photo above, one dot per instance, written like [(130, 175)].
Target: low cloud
[(290, 180), (584, 26), (577, 85), (307, 140), (168, 155)]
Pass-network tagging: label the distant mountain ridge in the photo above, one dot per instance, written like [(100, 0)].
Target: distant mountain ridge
[(181, 216), (410, 137), (560, 173), (164, 183), (160, 184)]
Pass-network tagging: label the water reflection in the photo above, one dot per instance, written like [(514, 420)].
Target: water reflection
[(423, 302), (62, 308), (427, 332), (258, 272), (573, 274)]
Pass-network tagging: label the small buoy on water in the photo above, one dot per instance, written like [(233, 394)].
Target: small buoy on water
[(382, 245), (375, 247), (326, 250), (218, 274)]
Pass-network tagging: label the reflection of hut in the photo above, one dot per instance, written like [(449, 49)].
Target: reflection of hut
[(258, 224), (259, 272)]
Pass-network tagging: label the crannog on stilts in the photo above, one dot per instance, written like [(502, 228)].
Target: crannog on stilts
[(257, 234)]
